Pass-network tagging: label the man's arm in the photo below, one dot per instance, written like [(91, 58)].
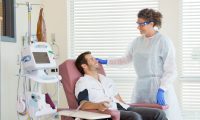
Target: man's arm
[(82, 95), (87, 105)]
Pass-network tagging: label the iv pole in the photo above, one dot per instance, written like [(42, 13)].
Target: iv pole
[(29, 22), (29, 6)]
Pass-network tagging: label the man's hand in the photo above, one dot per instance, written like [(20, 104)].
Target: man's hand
[(102, 106)]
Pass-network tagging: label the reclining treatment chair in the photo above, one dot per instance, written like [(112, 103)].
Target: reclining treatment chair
[(70, 75)]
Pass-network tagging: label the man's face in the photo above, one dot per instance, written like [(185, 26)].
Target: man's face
[(92, 62)]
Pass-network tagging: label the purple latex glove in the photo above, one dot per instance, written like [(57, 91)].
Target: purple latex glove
[(160, 97), (102, 61)]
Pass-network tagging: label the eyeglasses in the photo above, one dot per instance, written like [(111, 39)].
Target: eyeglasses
[(143, 23)]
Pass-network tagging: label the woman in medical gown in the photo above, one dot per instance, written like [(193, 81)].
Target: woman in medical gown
[(153, 56)]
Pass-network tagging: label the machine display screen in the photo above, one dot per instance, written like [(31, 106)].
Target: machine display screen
[(41, 57)]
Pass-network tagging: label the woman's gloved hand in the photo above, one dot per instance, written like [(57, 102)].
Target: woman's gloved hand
[(160, 97), (102, 61)]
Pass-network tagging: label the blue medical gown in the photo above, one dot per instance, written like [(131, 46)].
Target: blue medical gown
[(155, 66)]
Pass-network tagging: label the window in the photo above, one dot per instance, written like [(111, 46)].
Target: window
[(7, 30), (106, 27), (190, 59)]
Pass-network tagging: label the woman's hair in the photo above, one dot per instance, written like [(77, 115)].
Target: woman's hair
[(81, 60), (151, 15)]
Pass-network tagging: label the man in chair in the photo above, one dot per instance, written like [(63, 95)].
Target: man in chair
[(96, 91)]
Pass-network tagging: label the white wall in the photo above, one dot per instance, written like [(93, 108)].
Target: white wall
[(171, 26), (56, 22), (8, 80)]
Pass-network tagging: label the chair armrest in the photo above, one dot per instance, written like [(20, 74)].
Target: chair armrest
[(83, 114), (60, 109), (149, 105)]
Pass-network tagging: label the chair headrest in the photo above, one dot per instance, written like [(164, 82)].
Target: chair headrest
[(70, 74)]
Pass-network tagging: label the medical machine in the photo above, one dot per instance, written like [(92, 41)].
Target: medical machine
[(36, 59), (38, 56)]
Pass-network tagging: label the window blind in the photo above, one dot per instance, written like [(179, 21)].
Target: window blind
[(190, 59), (106, 27)]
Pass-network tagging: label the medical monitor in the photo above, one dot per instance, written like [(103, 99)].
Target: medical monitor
[(41, 57), (38, 56)]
